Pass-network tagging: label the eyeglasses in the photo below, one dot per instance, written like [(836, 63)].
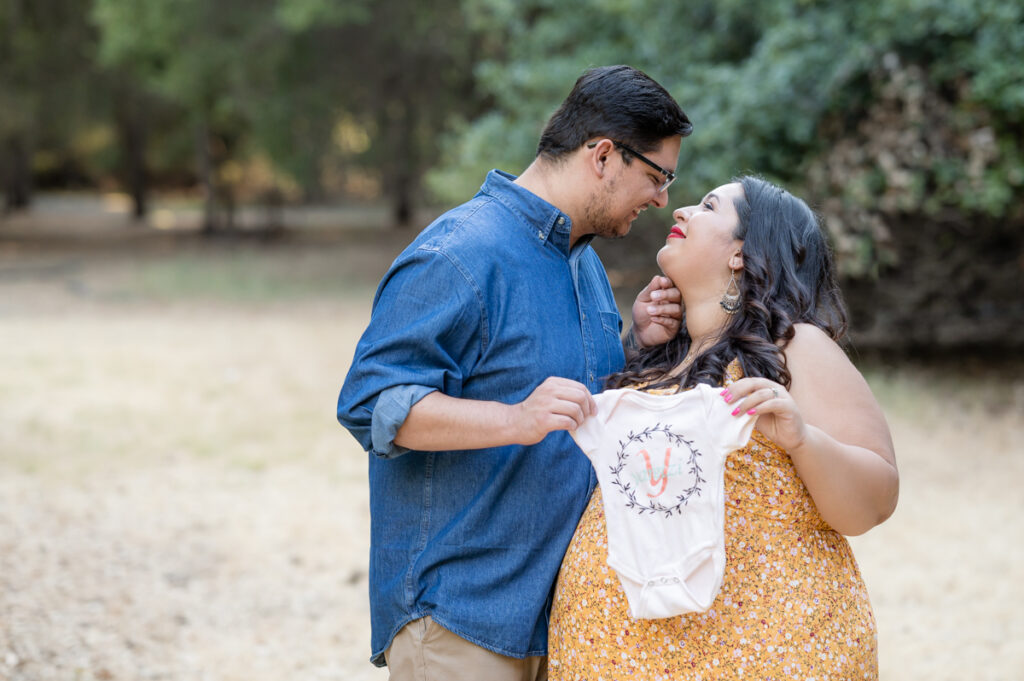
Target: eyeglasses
[(670, 176)]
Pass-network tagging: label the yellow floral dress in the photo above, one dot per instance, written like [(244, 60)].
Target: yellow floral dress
[(792, 604)]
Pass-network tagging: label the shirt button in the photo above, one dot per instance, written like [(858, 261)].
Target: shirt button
[(584, 315), (540, 234), (561, 221)]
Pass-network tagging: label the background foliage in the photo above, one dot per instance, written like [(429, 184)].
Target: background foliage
[(900, 122)]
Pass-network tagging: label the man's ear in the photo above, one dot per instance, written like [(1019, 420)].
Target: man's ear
[(598, 153)]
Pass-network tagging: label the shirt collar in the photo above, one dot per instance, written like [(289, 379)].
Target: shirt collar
[(543, 220)]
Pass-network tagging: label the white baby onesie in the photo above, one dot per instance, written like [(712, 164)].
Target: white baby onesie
[(660, 460)]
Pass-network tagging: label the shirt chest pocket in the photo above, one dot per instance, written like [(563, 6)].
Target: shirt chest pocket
[(609, 345)]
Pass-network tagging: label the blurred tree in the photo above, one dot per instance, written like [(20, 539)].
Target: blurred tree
[(295, 94), (225, 66), (371, 87), (132, 111), (44, 98), (17, 103), (188, 52), (405, 75), (885, 115), (771, 88), (900, 121), (279, 77)]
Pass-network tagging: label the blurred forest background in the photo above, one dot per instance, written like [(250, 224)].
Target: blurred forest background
[(901, 122), (200, 196)]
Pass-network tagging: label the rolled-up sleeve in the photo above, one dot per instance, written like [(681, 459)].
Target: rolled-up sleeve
[(389, 414), (424, 335)]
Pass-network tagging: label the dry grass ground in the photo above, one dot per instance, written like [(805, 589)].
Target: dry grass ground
[(177, 501)]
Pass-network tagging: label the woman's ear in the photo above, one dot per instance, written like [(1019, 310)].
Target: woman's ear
[(736, 261)]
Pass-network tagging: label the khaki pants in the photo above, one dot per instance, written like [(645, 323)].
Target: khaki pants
[(425, 651)]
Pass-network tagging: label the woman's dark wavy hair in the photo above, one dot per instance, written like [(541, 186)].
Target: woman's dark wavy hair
[(787, 279)]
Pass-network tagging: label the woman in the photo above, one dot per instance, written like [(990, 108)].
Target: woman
[(762, 317)]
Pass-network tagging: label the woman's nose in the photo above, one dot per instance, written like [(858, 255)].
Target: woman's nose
[(682, 214)]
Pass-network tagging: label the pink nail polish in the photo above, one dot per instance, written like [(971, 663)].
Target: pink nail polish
[(735, 411), (752, 412)]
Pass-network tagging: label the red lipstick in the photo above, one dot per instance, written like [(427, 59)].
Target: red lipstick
[(676, 233)]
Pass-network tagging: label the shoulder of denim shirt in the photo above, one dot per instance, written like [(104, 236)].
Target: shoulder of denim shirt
[(501, 211), (531, 214)]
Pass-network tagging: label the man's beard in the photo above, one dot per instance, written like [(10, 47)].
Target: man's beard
[(599, 218)]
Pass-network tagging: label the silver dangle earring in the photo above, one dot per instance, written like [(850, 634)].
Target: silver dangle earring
[(730, 301)]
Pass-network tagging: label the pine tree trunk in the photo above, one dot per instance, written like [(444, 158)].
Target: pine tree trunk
[(402, 204), (205, 166), (133, 139), (17, 174), (404, 160)]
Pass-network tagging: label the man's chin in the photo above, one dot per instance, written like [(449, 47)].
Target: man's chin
[(624, 229), (614, 235), (611, 230)]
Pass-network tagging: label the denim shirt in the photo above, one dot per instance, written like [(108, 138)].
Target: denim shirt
[(485, 304)]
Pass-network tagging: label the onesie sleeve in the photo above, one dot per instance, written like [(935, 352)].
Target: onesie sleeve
[(591, 433), (729, 432)]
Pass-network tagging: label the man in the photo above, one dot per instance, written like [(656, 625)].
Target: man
[(488, 335)]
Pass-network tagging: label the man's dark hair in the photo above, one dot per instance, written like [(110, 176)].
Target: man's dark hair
[(618, 102)]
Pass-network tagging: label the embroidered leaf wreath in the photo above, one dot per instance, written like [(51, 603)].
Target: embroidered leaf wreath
[(627, 489)]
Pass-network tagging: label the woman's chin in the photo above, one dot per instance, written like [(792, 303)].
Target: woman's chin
[(664, 260)]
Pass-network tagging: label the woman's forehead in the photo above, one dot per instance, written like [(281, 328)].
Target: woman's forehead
[(733, 190)]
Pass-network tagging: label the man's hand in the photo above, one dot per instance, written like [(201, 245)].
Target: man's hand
[(439, 422), (556, 404), (657, 312)]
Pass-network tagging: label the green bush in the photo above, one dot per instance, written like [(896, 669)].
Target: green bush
[(873, 111)]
